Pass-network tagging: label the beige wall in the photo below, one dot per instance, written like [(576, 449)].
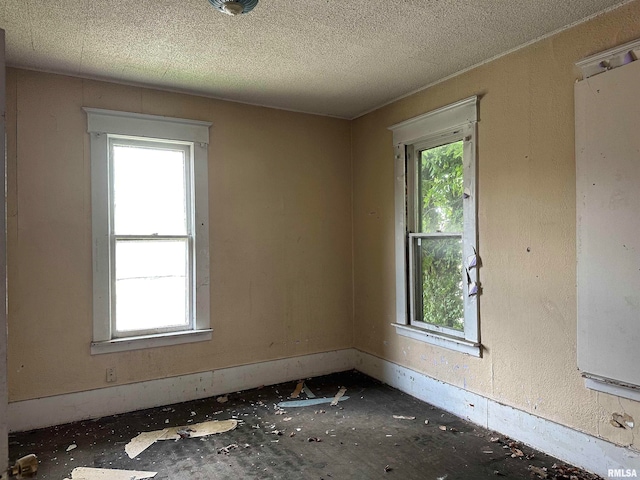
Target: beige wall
[(526, 202), (280, 231), (282, 213)]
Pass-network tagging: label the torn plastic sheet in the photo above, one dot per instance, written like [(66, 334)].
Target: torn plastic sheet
[(86, 473), (140, 443)]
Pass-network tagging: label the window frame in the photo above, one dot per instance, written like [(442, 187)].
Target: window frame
[(102, 126), (449, 124)]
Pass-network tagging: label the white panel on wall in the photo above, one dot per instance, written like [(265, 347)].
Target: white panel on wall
[(608, 228), (4, 441)]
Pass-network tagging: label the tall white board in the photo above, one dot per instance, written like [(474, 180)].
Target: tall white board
[(607, 109), (4, 441)]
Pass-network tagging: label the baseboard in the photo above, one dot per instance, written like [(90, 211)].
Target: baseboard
[(48, 411), (574, 447), (577, 448)]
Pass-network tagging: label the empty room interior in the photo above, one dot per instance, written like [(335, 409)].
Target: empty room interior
[(415, 220)]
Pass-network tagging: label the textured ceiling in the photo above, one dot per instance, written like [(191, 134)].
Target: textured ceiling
[(331, 57)]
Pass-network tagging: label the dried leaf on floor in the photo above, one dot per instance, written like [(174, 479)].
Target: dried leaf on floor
[(516, 452), (541, 472)]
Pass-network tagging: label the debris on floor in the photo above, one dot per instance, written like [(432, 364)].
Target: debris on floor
[(310, 402), (339, 395), (203, 429), (24, 467), (541, 472), (71, 447), (141, 442), (228, 448), (86, 473), (359, 438), (403, 417), (298, 389), (222, 399), (308, 391), (572, 473), (516, 452)]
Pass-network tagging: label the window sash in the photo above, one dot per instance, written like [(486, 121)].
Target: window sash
[(415, 288), (187, 148), (115, 333)]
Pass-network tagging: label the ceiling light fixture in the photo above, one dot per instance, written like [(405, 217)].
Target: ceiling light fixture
[(234, 8)]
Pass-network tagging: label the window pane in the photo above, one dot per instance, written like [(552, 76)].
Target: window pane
[(151, 284), (440, 281), (149, 191), (440, 189)]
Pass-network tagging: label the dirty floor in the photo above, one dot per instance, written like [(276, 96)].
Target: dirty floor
[(362, 437)]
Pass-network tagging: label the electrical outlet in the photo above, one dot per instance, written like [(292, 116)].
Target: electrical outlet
[(111, 375)]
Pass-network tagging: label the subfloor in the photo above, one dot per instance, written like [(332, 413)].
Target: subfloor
[(378, 432)]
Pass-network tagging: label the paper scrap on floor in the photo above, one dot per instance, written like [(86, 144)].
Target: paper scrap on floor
[(140, 443), (86, 473)]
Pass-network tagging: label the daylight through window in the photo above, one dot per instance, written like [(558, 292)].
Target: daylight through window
[(150, 230), (436, 247)]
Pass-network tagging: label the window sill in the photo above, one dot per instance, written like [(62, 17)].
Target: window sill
[(439, 339), (149, 341)]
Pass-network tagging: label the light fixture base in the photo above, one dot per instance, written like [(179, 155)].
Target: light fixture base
[(234, 8)]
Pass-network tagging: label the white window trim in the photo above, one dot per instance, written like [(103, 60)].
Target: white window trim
[(102, 123), (459, 120)]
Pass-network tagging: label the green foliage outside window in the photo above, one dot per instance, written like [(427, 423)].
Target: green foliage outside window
[(440, 201)]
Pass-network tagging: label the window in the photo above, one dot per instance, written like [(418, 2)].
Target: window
[(150, 230), (436, 239)]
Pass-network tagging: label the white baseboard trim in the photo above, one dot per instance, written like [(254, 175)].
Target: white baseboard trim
[(577, 448), (48, 411), (574, 447)]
